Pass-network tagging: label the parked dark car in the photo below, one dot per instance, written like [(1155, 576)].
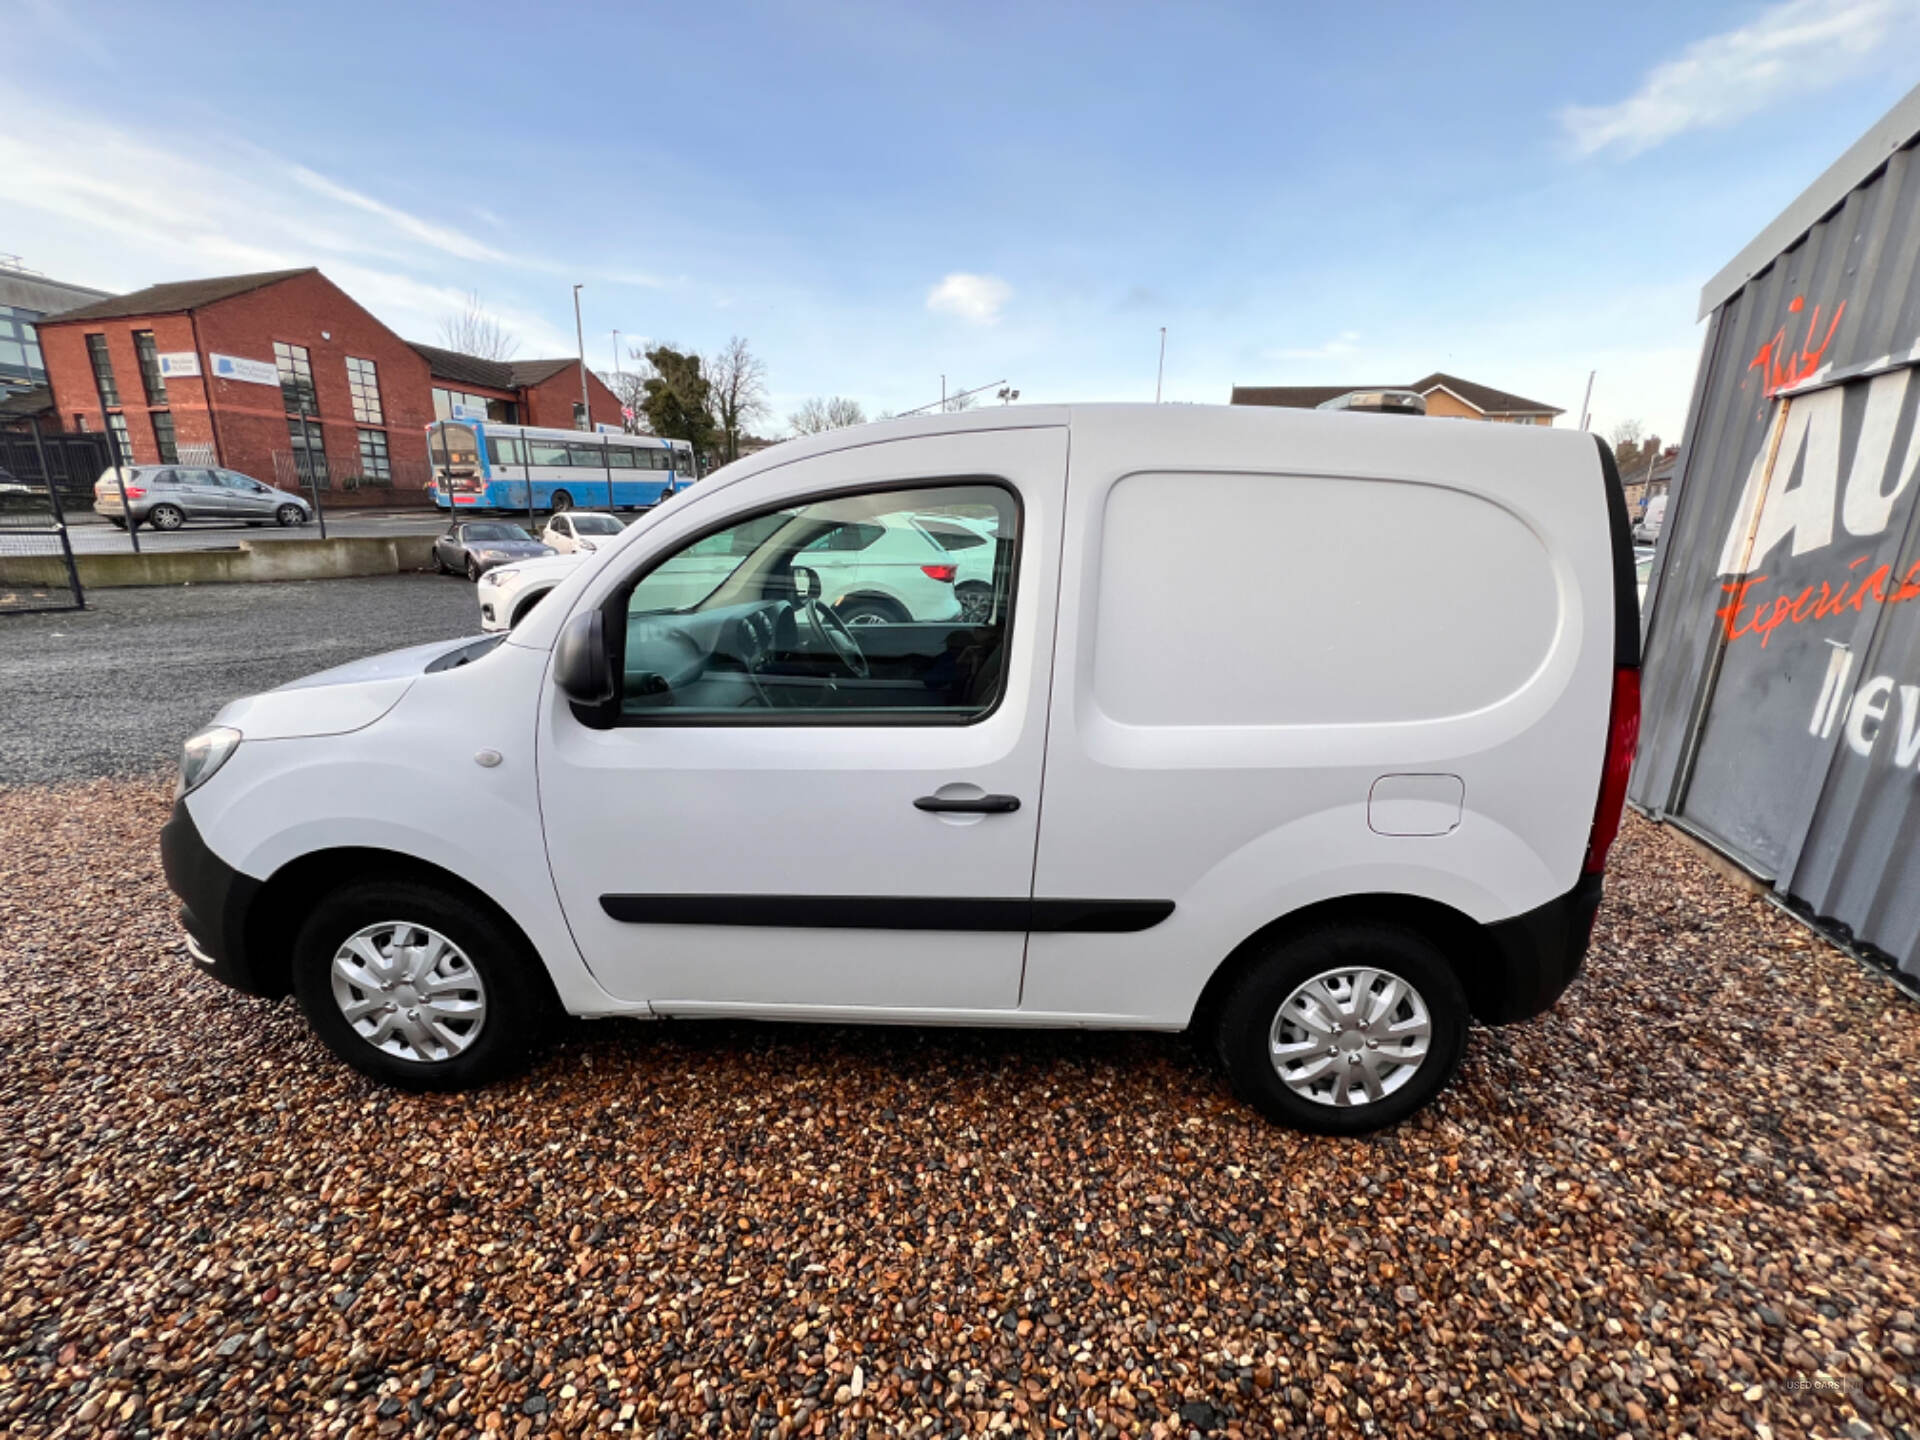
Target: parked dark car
[(473, 547)]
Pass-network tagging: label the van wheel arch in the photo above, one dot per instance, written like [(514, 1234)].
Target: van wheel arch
[(290, 895), (1460, 938)]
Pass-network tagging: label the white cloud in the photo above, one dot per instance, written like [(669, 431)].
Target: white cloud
[(440, 237), (1791, 49), (1344, 344), (102, 204), (975, 298)]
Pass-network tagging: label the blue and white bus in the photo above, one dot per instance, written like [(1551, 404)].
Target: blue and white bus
[(481, 465)]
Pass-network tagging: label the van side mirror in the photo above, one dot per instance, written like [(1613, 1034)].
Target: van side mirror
[(582, 666)]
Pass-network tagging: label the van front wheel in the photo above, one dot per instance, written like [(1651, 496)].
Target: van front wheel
[(410, 986), (1344, 1029)]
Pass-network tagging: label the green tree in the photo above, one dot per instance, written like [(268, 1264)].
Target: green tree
[(677, 400)]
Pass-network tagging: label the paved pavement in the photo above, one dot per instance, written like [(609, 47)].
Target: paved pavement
[(97, 537), (114, 689)]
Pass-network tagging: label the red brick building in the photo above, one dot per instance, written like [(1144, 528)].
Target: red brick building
[(284, 374)]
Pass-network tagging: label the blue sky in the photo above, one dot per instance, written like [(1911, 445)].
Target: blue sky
[(877, 194)]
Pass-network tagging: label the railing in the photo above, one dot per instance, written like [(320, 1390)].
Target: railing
[(405, 484)]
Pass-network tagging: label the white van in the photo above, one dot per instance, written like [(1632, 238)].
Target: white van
[(1309, 731), (1647, 530)]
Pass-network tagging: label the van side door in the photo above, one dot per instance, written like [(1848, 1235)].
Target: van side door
[(786, 816)]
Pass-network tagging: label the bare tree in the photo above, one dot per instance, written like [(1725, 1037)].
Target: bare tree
[(631, 387), (472, 331), (738, 378), (834, 413), (1634, 450), (1627, 432), (961, 402)]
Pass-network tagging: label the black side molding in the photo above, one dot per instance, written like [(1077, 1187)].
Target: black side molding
[(890, 912)]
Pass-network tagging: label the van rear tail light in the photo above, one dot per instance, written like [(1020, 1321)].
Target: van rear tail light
[(943, 573), (1623, 736)]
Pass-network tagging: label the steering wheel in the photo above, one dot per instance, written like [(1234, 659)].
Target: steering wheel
[(831, 628)]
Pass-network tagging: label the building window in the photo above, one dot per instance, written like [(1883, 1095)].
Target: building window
[(163, 438), (309, 450), (579, 416), (150, 376), (363, 383), (79, 423), (296, 378), (501, 412), (102, 370), (373, 455), (20, 362), (117, 427)]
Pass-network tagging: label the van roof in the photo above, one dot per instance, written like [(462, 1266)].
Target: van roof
[(1416, 433)]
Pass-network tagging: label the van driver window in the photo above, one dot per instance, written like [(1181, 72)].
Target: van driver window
[(827, 611)]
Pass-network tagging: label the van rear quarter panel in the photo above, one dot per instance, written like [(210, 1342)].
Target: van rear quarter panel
[(1266, 611)]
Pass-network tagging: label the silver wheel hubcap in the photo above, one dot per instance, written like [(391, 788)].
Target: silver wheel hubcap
[(1350, 1037), (409, 991)]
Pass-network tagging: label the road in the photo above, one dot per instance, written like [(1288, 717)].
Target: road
[(96, 537), (114, 689)]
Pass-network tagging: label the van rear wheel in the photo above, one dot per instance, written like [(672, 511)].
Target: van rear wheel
[(1345, 1029), (415, 988)]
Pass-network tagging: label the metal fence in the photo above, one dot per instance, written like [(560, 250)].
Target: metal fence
[(65, 463), (405, 480), (1783, 639), (36, 556)]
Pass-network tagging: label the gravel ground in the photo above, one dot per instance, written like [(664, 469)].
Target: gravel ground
[(1684, 1203), (116, 687)]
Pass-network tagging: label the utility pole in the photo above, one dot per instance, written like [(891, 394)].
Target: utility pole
[(1161, 373), (1585, 400), (943, 394), (580, 336), (617, 393)]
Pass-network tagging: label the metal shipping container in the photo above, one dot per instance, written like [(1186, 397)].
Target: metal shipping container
[(1782, 715)]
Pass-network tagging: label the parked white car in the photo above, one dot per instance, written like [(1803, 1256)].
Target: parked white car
[(507, 592), (580, 530), (1241, 751), (970, 541)]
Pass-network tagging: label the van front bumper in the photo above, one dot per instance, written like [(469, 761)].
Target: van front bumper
[(215, 900), (1536, 956)]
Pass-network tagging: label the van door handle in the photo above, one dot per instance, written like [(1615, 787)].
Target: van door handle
[(978, 805)]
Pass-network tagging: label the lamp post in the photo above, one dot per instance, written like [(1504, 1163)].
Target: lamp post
[(580, 337), (1161, 373)]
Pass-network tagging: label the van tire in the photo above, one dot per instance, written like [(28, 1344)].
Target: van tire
[(516, 1004), (1247, 1015)]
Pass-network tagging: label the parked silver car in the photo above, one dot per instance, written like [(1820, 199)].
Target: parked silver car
[(168, 496)]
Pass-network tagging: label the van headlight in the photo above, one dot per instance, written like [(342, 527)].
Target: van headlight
[(202, 755)]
